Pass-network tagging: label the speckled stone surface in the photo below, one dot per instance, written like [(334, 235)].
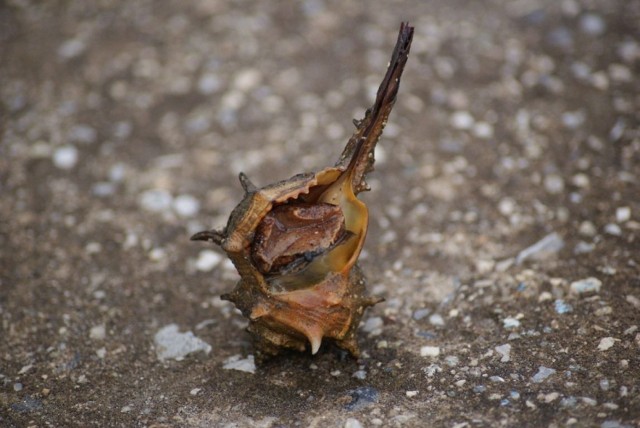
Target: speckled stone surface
[(505, 210)]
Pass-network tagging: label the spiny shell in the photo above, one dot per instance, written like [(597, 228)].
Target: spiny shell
[(295, 243)]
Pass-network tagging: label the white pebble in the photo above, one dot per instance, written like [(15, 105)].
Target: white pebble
[(587, 229), (83, 134), (623, 214), (573, 119), (462, 120), (65, 157), (613, 229), (186, 205), (411, 393), (208, 84), (436, 320), (170, 343), (586, 286), (542, 374), (506, 206), (606, 343), (352, 423), (510, 322), (592, 24), (195, 391), (157, 254), (71, 48), (236, 362), (25, 369), (360, 374), (207, 260), (553, 184), (155, 200), (247, 79), (581, 180), (505, 352), (429, 351), (98, 332), (483, 130), (373, 324)]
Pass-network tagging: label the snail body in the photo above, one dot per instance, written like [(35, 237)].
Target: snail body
[(295, 243)]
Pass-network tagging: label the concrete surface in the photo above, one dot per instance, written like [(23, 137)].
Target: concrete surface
[(505, 229)]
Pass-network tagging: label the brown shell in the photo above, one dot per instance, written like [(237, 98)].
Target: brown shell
[(320, 292)]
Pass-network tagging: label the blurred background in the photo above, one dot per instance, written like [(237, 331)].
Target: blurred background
[(124, 126)]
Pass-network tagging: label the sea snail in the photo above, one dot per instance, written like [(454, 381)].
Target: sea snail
[(295, 243)]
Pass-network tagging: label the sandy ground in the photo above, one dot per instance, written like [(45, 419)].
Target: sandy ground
[(505, 231)]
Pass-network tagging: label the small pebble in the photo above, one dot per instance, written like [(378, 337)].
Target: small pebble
[(195, 391), (573, 119), (510, 322), (568, 401), (155, 200), (171, 344), (71, 48), (362, 397), (483, 130), (83, 134), (613, 229), (360, 374), (587, 285), (157, 254), (17, 387), (542, 374), (429, 351), (411, 393), (65, 157), (505, 352), (452, 360), (209, 83), (562, 307), (103, 189), (101, 353), (623, 214), (236, 362), (186, 205), (546, 247), (98, 332), (587, 229), (352, 423), (462, 120), (554, 184), (550, 397), (207, 260), (247, 79), (583, 248), (25, 369), (420, 314), (373, 324), (592, 24), (606, 343), (436, 320)]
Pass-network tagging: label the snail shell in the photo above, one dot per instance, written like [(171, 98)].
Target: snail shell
[(295, 243)]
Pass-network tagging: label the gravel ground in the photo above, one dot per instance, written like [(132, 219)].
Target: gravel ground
[(505, 232)]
